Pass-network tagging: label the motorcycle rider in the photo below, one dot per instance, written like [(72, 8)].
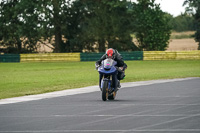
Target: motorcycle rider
[(113, 54)]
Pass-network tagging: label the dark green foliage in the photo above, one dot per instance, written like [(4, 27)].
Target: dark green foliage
[(107, 24), (24, 23), (85, 25), (183, 22), (19, 29), (152, 29), (193, 7), (9, 26), (74, 23)]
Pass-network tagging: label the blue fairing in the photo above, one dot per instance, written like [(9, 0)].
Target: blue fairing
[(113, 70), (108, 67)]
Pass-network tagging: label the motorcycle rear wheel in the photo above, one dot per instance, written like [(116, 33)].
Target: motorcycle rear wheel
[(105, 91)]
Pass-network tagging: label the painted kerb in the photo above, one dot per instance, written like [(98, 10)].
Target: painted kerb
[(168, 55), (50, 57)]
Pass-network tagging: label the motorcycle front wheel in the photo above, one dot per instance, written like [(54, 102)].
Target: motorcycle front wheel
[(112, 96), (105, 91)]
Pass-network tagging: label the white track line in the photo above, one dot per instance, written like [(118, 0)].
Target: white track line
[(165, 122), (84, 90), (93, 131)]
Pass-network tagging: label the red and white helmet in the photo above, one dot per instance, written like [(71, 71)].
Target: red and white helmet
[(110, 53)]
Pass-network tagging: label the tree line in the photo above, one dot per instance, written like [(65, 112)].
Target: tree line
[(193, 8), (183, 22), (90, 25)]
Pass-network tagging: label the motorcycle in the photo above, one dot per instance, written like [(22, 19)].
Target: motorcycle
[(107, 70)]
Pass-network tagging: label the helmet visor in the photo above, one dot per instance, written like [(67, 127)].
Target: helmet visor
[(109, 57)]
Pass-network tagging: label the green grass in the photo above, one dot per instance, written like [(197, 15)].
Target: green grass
[(19, 79)]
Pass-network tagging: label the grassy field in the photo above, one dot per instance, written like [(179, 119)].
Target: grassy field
[(19, 79), (182, 35), (179, 41)]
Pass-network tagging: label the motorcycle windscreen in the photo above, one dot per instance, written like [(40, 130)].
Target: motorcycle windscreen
[(108, 63)]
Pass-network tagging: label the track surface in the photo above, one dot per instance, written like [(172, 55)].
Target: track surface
[(172, 107)]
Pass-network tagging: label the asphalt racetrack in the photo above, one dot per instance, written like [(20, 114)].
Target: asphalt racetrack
[(169, 107)]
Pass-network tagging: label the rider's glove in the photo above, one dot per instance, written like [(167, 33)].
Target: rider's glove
[(124, 67), (97, 66)]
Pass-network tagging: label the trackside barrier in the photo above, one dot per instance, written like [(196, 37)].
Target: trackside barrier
[(91, 56), (168, 55), (48, 57), (135, 55), (9, 58), (188, 55)]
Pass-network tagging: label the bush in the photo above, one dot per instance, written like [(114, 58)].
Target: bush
[(151, 26)]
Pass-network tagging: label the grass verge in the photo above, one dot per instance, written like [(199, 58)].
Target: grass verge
[(19, 79)]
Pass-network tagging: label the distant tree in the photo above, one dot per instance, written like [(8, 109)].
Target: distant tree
[(30, 16), (10, 27), (29, 21), (20, 24), (193, 7), (106, 24), (52, 21), (85, 24), (152, 29), (74, 22), (170, 18), (183, 22)]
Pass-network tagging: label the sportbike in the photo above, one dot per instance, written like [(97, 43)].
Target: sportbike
[(108, 70)]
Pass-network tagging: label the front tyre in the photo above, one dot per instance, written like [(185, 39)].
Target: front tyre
[(105, 91), (112, 96)]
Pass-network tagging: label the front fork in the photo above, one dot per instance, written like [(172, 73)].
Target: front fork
[(109, 81)]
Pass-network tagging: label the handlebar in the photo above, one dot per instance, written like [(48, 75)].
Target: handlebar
[(119, 69)]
